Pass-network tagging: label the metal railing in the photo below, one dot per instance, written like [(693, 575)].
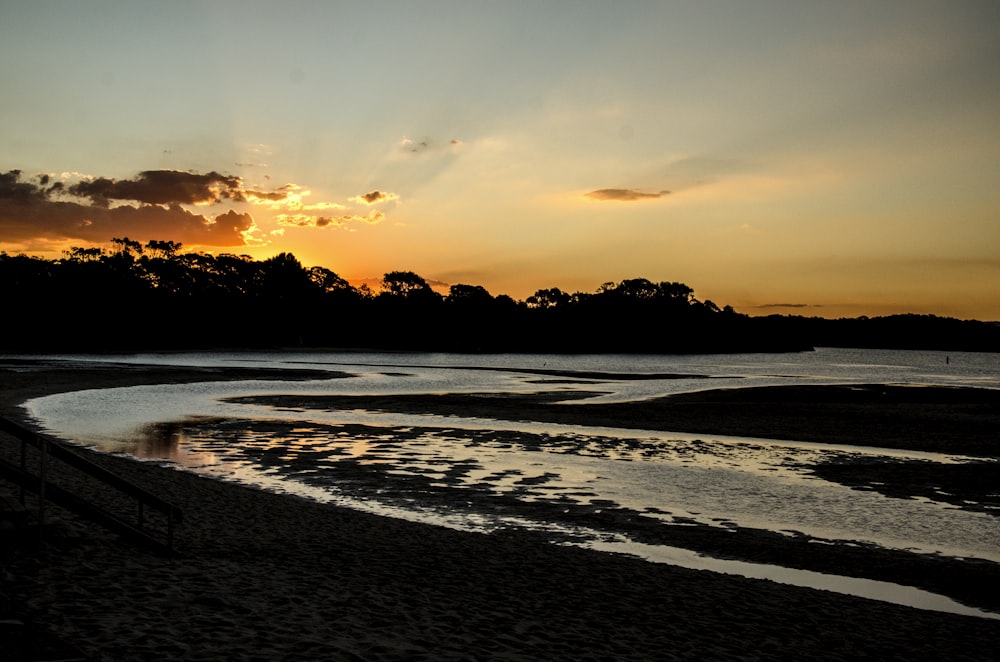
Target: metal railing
[(40, 484)]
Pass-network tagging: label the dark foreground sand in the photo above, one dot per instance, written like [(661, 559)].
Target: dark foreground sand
[(269, 577)]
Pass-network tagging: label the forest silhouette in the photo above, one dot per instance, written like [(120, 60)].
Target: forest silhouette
[(153, 296)]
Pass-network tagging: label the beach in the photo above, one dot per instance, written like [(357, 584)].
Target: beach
[(260, 576)]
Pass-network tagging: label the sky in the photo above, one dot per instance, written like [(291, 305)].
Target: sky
[(825, 158)]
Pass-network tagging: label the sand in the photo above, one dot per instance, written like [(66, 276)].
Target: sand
[(261, 576)]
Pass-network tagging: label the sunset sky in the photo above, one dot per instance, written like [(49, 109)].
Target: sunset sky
[(831, 158)]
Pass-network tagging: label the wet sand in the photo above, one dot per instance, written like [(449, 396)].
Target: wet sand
[(262, 577)]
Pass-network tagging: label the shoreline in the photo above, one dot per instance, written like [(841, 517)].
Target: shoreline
[(266, 576)]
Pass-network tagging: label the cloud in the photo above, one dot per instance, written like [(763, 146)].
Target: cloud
[(160, 187), (296, 213), (309, 221), (374, 197), (41, 208), (297, 205), (289, 198), (371, 218), (305, 221), (440, 286), (410, 146), (157, 204), (265, 196), (231, 223), (625, 194), (788, 305), (14, 190), (164, 187)]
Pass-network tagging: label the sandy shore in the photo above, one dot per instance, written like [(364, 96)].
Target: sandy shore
[(265, 577)]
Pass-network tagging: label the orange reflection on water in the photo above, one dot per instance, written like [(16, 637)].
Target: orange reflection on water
[(166, 441)]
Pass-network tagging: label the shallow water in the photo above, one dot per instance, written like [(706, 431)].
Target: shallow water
[(459, 472)]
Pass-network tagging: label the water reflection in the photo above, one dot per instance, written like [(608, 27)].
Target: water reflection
[(577, 483), (159, 441), (698, 481), (565, 487), (168, 442)]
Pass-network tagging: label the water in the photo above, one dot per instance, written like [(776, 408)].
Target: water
[(559, 479)]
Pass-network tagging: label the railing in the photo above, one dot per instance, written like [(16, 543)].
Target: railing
[(51, 449)]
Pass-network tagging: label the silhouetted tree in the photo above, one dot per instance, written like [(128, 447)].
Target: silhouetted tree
[(548, 298), (128, 247), (468, 295), (156, 297), (84, 254), (162, 249), (638, 289), (282, 277), (327, 281), (407, 285)]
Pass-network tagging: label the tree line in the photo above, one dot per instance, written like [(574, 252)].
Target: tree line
[(153, 296)]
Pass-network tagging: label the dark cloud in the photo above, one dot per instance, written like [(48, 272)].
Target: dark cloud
[(374, 197), (14, 190), (43, 209), (625, 194), (160, 187), (230, 224)]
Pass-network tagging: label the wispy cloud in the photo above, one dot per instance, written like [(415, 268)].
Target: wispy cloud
[(305, 221), (788, 305), (292, 199), (625, 194), (371, 217), (317, 221), (427, 144)]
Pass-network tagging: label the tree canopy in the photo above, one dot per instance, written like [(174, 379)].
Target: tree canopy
[(154, 296)]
